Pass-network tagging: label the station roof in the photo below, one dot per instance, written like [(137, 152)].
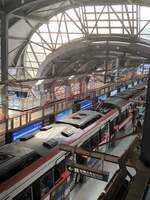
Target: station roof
[(61, 38)]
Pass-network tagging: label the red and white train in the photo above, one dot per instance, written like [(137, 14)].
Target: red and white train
[(34, 168)]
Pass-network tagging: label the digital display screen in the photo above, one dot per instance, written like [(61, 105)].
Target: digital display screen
[(146, 67), (103, 97), (21, 94), (63, 114), (26, 131), (113, 93), (86, 104), (122, 89)]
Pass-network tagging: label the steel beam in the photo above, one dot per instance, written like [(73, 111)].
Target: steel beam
[(145, 148), (16, 5), (91, 154), (106, 62), (117, 68), (39, 19), (4, 65), (87, 171)]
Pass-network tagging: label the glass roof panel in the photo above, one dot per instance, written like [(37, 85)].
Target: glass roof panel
[(145, 13), (43, 28), (78, 22), (36, 38)]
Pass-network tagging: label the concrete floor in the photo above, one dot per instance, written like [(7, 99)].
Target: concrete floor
[(92, 188)]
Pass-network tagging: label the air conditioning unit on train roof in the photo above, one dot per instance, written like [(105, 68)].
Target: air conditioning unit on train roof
[(50, 143)]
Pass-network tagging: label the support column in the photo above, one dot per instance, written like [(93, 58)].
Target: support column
[(145, 148), (52, 92), (67, 89), (117, 68), (84, 85), (106, 63), (106, 68), (4, 65)]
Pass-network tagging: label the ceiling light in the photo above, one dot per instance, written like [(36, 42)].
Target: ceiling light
[(71, 77), (99, 69), (39, 82)]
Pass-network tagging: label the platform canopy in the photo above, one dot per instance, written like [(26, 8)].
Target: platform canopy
[(63, 38)]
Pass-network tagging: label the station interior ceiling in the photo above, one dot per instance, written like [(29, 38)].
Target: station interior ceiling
[(54, 40)]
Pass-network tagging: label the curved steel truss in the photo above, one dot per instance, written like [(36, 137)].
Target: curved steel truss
[(84, 22)]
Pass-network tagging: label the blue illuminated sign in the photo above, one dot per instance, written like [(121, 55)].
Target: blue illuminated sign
[(26, 131), (103, 97), (86, 104), (63, 114)]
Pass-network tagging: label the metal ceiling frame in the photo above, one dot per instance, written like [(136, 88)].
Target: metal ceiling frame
[(15, 5), (84, 30), (80, 47), (25, 10)]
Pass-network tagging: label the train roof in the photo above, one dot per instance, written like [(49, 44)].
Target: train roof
[(80, 118), (117, 102), (13, 156), (55, 135), (131, 92)]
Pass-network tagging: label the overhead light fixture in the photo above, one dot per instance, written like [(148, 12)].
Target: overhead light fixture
[(39, 82), (71, 77), (99, 69)]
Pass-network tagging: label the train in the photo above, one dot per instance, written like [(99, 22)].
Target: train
[(34, 168)]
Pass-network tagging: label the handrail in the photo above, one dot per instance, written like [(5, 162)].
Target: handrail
[(67, 100)]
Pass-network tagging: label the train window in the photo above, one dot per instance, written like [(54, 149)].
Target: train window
[(60, 169), (25, 195), (92, 142), (116, 120), (122, 116), (46, 182), (106, 108), (105, 128), (95, 141), (104, 133), (90, 122), (86, 145)]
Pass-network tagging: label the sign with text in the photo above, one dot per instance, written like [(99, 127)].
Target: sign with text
[(87, 171)]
